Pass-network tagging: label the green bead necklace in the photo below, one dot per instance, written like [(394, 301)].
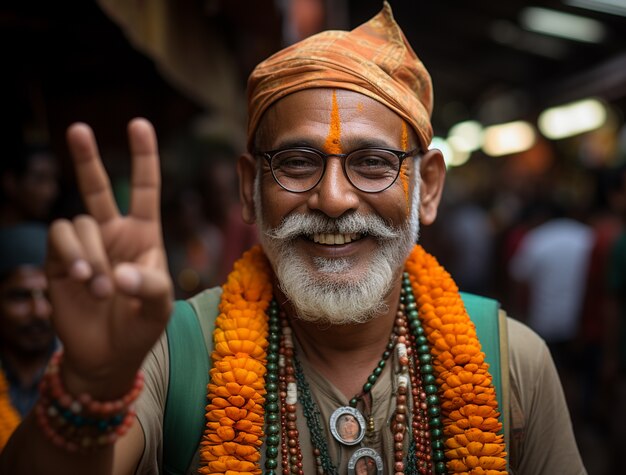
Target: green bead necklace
[(372, 378), (426, 447)]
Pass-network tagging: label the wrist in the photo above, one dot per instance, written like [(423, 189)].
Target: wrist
[(78, 422), (102, 385)]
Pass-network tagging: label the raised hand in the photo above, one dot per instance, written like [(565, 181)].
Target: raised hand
[(108, 278)]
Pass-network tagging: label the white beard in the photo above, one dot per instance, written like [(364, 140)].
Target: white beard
[(332, 292)]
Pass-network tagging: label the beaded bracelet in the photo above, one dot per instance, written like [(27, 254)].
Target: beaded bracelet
[(82, 423)]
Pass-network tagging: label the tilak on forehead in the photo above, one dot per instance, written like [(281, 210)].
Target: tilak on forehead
[(374, 59), (333, 140)]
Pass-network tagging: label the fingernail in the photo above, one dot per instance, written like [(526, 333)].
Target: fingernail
[(128, 278), (101, 286), (80, 269)]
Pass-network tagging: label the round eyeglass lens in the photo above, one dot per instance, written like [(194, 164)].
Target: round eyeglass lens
[(297, 170), (372, 170)]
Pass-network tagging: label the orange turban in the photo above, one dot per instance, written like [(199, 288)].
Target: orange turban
[(374, 59)]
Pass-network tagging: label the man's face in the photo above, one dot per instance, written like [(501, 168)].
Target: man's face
[(35, 191), (350, 427), (25, 311), (336, 250)]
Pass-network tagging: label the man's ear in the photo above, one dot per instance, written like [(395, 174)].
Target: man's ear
[(433, 173), (247, 169)]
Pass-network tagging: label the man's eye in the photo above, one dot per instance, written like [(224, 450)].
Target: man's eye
[(372, 163), (295, 163)]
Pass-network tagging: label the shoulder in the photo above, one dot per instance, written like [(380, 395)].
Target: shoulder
[(528, 352), (534, 384), (541, 433), (521, 335), (206, 301)]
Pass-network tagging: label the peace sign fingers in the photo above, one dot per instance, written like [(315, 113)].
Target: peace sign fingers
[(93, 180), (146, 177)]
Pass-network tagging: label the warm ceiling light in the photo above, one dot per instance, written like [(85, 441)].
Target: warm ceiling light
[(460, 151), (562, 25), (471, 134), (511, 35), (453, 150), (505, 139), (572, 119), (613, 7)]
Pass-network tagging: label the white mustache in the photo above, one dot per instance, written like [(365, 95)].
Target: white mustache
[(296, 225)]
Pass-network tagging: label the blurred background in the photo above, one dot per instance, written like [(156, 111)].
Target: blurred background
[(529, 112)]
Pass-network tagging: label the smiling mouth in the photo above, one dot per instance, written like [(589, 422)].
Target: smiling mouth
[(332, 239)]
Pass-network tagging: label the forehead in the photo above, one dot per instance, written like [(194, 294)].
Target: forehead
[(307, 116)]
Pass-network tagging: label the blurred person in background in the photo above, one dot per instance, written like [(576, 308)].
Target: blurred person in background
[(605, 220), (26, 336), (550, 263), (614, 373), (549, 271), (468, 238), (218, 188), (207, 234), (28, 185)]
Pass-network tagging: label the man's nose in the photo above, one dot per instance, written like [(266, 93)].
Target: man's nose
[(334, 195), (40, 304)]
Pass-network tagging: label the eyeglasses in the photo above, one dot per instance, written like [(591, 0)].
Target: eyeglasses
[(371, 170)]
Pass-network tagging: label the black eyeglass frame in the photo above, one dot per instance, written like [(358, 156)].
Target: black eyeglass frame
[(269, 155)]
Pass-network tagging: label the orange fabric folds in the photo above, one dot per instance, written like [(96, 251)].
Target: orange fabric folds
[(374, 59)]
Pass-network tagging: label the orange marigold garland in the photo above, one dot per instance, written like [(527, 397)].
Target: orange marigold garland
[(9, 417), (234, 430), (235, 417), (469, 404)]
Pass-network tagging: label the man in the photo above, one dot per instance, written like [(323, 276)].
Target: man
[(552, 260), (318, 322), (26, 336), (614, 367), (28, 185)]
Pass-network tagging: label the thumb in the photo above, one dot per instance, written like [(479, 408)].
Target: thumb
[(152, 287)]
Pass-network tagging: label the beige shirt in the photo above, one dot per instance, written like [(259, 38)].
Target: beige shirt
[(542, 440)]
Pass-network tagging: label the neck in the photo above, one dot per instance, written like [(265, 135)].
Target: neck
[(26, 366), (346, 354)]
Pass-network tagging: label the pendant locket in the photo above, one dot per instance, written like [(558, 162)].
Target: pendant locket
[(347, 425), (365, 461)]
